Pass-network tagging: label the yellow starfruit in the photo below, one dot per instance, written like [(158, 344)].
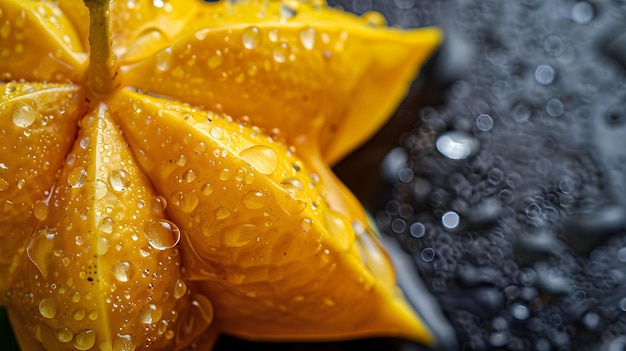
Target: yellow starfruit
[(164, 172)]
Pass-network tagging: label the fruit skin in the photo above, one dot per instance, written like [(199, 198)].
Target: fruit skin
[(261, 241), (279, 249), (38, 129), (100, 269)]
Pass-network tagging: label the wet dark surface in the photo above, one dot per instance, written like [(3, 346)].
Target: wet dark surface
[(502, 174)]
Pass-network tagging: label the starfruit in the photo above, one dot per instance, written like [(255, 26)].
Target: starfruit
[(172, 181)]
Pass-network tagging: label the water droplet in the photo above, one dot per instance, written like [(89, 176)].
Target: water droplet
[(582, 12), (254, 200), (281, 52), (306, 224), (457, 145), (79, 314), (39, 248), (215, 60), (288, 10), (217, 133), (118, 179), (85, 339), (122, 271), (189, 175), (23, 115), (544, 74), (159, 203), (428, 254), (307, 38), (180, 289), (222, 213), (163, 59), (554, 107), (206, 189), (150, 314), (77, 177), (251, 37), (262, 158), (106, 225), (48, 307), (93, 315), (181, 160), (450, 220), (101, 189), (64, 335), (484, 122), (239, 235), (40, 209), (102, 246), (196, 320), (225, 174), (417, 230), (162, 234), (295, 200), (189, 202)]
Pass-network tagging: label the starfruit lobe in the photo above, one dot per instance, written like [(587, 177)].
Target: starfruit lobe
[(285, 67), (38, 129), (259, 239), (102, 271)]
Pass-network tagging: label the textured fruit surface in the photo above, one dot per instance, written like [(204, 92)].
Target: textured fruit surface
[(165, 178)]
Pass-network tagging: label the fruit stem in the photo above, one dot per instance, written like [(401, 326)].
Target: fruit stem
[(103, 68)]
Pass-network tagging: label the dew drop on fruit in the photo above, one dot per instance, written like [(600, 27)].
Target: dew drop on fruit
[(101, 189), (189, 175), (306, 224), (262, 158), (163, 59), (85, 339), (215, 60), (180, 289), (281, 52), (23, 115), (254, 200), (189, 202), (106, 225), (293, 200), (161, 234), (48, 307), (102, 246), (159, 203), (118, 179), (63, 335), (79, 314), (251, 37), (150, 314), (307, 38), (122, 271), (77, 177), (222, 213), (40, 210), (196, 320), (206, 189)]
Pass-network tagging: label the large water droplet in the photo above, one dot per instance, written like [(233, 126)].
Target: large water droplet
[(118, 179), (295, 200), (123, 271), (180, 289), (39, 248), (106, 225), (163, 59), (64, 335), (222, 213), (262, 158), (281, 52), (102, 246), (196, 320), (48, 307), (307, 38), (189, 202), (40, 209), (150, 314), (23, 115), (85, 339), (77, 177), (251, 37), (254, 200), (457, 145), (162, 234)]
